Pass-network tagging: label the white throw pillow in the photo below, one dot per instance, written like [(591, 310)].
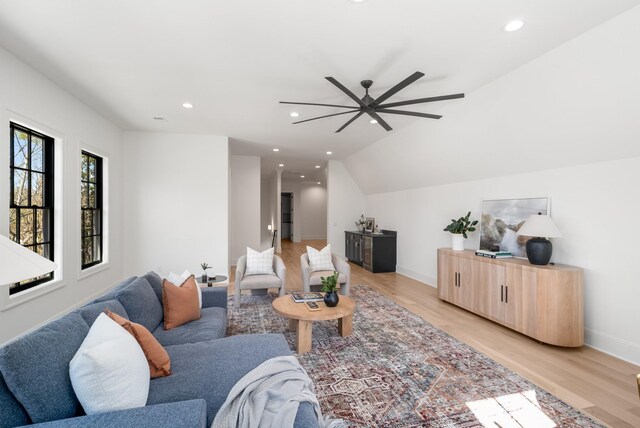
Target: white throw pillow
[(259, 263), (320, 260), (109, 371), (178, 280)]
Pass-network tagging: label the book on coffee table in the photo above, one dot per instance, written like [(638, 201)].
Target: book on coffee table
[(300, 297)]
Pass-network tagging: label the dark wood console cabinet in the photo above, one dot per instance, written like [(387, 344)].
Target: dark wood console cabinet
[(375, 252)]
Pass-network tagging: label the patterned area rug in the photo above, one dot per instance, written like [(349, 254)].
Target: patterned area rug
[(397, 370)]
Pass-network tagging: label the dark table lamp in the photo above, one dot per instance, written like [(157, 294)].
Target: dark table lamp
[(539, 248)]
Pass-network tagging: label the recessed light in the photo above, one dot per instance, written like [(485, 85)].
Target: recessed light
[(276, 150), (372, 121), (514, 25), (187, 105), (294, 114), (357, 1), (319, 182), (329, 153), (158, 118), (280, 165), (317, 166), (302, 176)]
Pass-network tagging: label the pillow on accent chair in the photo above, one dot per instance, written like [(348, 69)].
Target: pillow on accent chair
[(157, 356), (109, 372), (259, 263), (179, 281), (180, 304), (320, 260)]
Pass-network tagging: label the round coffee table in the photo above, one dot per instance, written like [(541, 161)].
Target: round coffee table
[(301, 318)]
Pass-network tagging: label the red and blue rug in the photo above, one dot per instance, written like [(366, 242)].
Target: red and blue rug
[(397, 370)]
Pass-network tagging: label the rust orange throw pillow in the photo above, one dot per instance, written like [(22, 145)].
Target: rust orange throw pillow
[(157, 356), (180, 303)]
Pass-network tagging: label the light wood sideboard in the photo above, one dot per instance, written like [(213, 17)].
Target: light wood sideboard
[(543, 302)]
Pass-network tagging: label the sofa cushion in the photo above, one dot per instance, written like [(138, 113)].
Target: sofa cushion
[(315, 278), (211, 325), (92, 311), (260, 281), (141, 303), (210, 369), (36, 368), (180, 303), (12, 414), (112, 294), (155, 281)]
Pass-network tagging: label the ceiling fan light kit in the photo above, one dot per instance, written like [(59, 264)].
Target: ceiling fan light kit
[(372, 107)]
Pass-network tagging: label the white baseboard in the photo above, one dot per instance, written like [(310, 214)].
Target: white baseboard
[(613, 346), (427, 279)]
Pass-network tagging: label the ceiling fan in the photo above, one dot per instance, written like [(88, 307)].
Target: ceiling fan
[(372, 106)]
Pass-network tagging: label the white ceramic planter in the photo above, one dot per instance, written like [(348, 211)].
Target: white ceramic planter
[(457, 241)]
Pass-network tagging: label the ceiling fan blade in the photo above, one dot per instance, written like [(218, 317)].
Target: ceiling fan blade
[(360, 113), (322, 117), (409, 113), (422, 100), (400, 86), (346, 91), (315, 104), (380, 120)]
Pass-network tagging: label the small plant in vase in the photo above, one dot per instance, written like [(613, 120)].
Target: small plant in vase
[(360, 223), (205, 276), (458, 229), (330, 287)]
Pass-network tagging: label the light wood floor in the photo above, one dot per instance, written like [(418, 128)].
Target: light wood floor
[(603, 386)]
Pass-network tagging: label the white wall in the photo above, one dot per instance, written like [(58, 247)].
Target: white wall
[(590, 205), (28, 97), (313, 209), (175, 202), (345, 204), (563, 112), (245, 207)]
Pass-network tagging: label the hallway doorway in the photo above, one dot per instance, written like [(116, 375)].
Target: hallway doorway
[(286, 210)]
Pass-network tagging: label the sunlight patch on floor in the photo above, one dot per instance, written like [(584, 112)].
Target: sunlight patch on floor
[(520, 410)]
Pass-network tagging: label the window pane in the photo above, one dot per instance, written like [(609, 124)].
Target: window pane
[(96, 222), (20, 188), (26, 227), (84, 168), (13, 224), (37, 151), (84, 195), (20, 149), (92, 169), (96, 249), (37, 189), (87, 223), (92, 195), (87, 250), (42, 226)]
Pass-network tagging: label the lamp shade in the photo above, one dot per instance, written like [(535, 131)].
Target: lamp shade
[(540, 226), (18, 263)]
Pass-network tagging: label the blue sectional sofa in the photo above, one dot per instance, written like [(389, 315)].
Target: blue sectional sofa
[(35, 387)]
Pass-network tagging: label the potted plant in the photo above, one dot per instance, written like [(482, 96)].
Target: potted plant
[(205, 276), (458, 229), (330, 287), (360, 223)]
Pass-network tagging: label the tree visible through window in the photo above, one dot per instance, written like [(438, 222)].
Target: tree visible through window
[(91, 207), (31, 204)]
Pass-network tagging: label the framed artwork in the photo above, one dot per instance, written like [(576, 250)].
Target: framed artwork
[(369, 224), (501, 220)]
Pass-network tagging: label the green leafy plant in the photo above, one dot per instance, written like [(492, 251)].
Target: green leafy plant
[(204, 266), (462, 225), (330, 283)]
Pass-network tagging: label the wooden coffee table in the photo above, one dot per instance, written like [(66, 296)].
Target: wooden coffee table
[(301, 318)]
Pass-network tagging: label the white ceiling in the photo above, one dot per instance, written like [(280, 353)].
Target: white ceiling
[(235, 59)]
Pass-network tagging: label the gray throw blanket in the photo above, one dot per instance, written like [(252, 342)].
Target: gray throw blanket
[(269, 396)]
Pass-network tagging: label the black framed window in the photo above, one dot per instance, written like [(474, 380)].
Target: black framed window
[(31, 205), (91, 207)]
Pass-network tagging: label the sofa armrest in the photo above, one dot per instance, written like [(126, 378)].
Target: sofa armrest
[(281, 272), (305, 271), (215, 297), (343, 267), (191, 413)]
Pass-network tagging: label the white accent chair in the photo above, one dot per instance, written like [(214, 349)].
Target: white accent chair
[(259, 284), (311, 281)]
